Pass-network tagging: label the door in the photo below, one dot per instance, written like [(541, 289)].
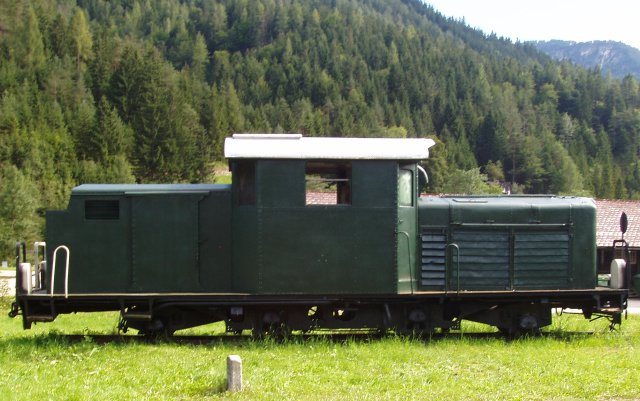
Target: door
[(406, 231), (164, 232)]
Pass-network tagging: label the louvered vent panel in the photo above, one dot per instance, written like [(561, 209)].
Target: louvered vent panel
[(541, 260), (432, 271), (484, 260)]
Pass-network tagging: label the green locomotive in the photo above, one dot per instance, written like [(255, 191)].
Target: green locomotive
[(315, 233)]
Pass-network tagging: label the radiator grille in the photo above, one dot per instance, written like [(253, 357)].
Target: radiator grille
[(483, 260), (432, 271), (541, 260)]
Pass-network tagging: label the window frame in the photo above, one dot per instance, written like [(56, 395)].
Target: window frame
[(336, 175), (409, 191)]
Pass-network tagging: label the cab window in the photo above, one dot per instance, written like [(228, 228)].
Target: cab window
[(405, 187), (245, 179), (328, 183)]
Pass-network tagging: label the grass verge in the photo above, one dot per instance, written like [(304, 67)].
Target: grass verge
[(579, 361)]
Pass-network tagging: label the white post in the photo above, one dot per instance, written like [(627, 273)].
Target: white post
[(234, 373)]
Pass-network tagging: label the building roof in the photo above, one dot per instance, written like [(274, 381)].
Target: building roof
[(608, 224), (295, 146)]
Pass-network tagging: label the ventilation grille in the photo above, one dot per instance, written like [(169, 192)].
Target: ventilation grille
[(101, 210), (541, 260), (483, 260), (432, 272)]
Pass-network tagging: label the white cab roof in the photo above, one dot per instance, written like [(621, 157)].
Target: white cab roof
[(295, 146)]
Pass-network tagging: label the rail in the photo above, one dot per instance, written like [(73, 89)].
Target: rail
[(40, 266), (23, 270), (66, 270), (532, 224), (457, 248), (411, 270)]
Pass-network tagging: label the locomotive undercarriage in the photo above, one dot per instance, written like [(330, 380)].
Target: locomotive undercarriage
[(512, 313)]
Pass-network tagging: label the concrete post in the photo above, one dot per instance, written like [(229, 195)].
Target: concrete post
[(234, 373)]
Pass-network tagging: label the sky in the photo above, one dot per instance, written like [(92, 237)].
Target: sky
[(575, 20)]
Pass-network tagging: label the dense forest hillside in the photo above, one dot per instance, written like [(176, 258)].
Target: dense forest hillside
[(146, 91), (610, 57)]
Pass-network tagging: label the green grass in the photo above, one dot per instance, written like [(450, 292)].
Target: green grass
[(592, 364)]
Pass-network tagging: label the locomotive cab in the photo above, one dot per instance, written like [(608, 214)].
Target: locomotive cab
[(324, 215)]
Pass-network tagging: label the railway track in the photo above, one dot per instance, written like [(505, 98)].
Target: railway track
[(296, 338)]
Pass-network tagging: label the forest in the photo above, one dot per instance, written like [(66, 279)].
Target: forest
[(95, 91)]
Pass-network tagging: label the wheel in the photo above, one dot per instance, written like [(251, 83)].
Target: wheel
[(156, 329)]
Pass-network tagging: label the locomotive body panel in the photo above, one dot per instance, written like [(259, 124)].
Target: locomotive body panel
[(144, 238), (508, 243), (284, 245)]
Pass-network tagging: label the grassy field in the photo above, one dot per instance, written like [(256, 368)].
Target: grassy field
[(594, 364)]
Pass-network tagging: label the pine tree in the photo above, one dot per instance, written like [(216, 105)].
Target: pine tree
[(18, 205), (112, 137), (82, 41), (29, 49)]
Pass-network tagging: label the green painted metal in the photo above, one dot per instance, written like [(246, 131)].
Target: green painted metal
[(282, 245), (509, 243), (209, 238), (144, 238), (407, 226)]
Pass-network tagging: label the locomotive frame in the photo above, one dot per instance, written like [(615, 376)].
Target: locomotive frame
[(258, 255)]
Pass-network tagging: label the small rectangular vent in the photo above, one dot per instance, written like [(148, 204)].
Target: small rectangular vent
[(432, 267), (101, 209)]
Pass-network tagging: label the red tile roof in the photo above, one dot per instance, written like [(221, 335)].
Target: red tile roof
[(608, 225), (322, 198)]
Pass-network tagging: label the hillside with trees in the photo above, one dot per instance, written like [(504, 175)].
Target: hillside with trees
[(147, 90)]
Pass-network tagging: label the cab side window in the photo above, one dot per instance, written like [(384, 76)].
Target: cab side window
[(245, 177), (405, 187), (328, 183)]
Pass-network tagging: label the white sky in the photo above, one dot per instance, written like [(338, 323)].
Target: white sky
[(577, 20)]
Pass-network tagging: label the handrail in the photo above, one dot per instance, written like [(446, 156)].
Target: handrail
[(20, 245), (531, 225), (411, 269), (66, 270), (457, 266), (36, 256)]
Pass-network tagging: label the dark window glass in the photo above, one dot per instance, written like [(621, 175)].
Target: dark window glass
[(245, 178), (101, 209)]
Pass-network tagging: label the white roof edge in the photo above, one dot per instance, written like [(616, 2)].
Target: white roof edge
[(296, 146)]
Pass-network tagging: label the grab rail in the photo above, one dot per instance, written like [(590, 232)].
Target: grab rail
[(411, 270), (39, 265), (23, 270), (457, 266), (66, 270)]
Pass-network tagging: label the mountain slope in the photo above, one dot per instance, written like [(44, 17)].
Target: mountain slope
[(615, 57), (146, 91)]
